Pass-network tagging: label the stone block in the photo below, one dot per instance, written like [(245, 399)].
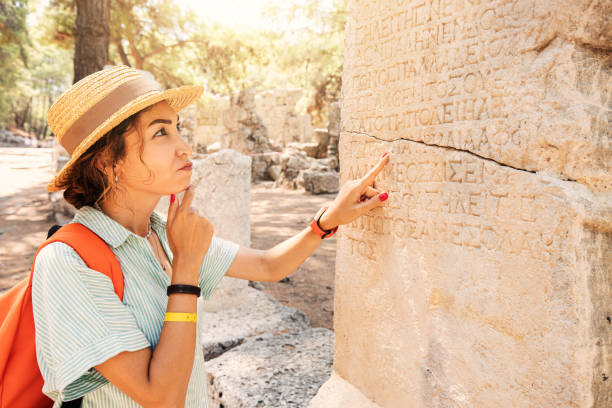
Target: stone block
[(305, 128), (256, 314), (527, 84), (214, 148), (259, 168), (282, 370), (473, 281), (321, 138), (310, 149), (274, 172), (222, 183), (485, 280), (320, 182), (338, 393)]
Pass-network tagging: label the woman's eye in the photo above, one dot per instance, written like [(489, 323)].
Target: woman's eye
[(160, 130), (178, 125)]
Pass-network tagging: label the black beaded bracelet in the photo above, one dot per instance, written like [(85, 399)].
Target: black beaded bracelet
[(189, 289)]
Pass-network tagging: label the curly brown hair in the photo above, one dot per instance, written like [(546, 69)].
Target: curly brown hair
[(88, 185)]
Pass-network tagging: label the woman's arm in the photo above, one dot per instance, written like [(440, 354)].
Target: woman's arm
[(356, 197), (160, 378)]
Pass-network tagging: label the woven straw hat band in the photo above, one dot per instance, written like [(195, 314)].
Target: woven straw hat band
[(104, 108)]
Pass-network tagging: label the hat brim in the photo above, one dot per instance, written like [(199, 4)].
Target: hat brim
[(177, 98)]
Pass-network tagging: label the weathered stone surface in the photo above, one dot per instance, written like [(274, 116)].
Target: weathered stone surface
[(292, 162), (333, 129), (310, 149), (214, 148), (210, 119), (321, 138), (256, 314), (277, 108), (222, 194), (477, 283), (338, 393), (274, 171), (188, 120), (486, 279), (320, 182), (246, 131), (262, 163), (19, 138), (284, 370), (525, 83)]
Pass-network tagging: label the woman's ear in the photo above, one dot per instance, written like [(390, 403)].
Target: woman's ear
[(101, 163)]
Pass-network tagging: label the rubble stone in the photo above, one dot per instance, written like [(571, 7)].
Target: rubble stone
[(310, 149), (333, 129), (256, 314), (271, 370), (321, 138), (247, 133), (320, 182)]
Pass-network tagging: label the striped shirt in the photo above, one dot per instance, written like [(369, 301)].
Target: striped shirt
[(80, 322)]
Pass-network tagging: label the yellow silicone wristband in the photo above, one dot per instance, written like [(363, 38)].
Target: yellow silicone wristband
[(181, 317)]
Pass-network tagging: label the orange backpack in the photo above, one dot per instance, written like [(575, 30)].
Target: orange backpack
[(20, 379)]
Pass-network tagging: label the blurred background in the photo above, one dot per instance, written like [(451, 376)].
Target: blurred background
[(229, 46)]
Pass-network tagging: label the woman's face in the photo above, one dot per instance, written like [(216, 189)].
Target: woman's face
[(164, 152)]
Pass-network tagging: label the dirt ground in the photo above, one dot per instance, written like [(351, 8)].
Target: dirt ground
[(276, 214), (25, 209)]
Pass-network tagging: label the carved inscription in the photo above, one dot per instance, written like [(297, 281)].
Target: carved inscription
[(437, 71), (453, 198)]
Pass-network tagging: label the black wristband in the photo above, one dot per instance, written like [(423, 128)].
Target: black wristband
[(189, 289)]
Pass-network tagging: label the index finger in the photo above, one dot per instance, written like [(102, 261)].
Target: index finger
[(368, 179), (187, 199)]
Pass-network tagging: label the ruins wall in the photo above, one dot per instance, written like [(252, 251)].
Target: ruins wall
[(276, 108), (486, 279)]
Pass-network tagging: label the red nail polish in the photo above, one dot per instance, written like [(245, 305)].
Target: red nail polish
[(172, 198), (385, 154), (383, 196)]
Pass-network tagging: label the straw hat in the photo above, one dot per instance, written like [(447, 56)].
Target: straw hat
[(101, 101)]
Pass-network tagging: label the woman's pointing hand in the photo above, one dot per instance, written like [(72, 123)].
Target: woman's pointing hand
[(356, 197)]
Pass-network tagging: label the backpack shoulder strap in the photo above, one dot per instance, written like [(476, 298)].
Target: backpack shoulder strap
[(92, 249), (17, 322)]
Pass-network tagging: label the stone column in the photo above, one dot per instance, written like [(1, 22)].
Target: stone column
[(333, 128), (222, 195), (486, 279)]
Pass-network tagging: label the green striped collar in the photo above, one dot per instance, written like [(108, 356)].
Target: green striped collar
[(110, 230)]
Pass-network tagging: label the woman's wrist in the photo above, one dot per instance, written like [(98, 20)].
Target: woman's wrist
[(184, 272), (325, 222)]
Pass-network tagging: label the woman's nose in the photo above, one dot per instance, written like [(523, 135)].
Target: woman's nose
[(184, 147)]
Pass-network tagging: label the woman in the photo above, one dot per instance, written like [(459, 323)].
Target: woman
[(126, 153)]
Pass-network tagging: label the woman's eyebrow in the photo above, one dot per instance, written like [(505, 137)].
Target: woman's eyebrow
[(165, 121)]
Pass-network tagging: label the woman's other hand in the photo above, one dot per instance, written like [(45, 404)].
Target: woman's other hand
[(189, 234), (356, 197)]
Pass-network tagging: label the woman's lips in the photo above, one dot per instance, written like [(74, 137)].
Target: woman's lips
[(186, 167)]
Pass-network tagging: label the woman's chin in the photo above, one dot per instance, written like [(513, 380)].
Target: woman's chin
[(180, 186)]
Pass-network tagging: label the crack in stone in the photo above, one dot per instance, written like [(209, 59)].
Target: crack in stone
[(444, 147)]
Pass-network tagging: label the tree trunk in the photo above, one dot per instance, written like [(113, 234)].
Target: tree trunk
[(92, 36)]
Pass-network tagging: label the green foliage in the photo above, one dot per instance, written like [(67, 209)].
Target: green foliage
[(304, 50), (13, 57), (30, 66), (310, 50)]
